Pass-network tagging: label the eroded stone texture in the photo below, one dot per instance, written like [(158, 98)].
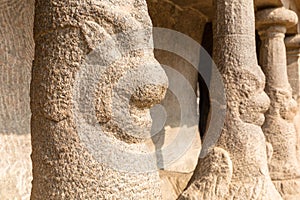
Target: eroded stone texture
[(279, 127), (237, 167), (16, 55), (66, 33)]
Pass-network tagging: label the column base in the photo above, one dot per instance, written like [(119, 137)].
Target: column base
[(289, 189), (214, 181)]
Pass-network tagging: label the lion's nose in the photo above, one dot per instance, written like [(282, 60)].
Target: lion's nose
[(148, 95), (152, 87)]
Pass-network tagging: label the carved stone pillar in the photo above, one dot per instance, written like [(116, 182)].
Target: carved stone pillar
[(278, 127), (94, 80), (237, 167), (293, 68)]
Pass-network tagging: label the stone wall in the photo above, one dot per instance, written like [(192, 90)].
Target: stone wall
[(16, 55)]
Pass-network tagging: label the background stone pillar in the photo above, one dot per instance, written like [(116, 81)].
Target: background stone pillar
[(237, 166), (190, 22), (293, 68), (293, 63), (278, 127)]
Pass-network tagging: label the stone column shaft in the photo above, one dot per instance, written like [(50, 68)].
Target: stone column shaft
[(293, 63), (293, 68), (273, 57), (278, 127), (237, 166)]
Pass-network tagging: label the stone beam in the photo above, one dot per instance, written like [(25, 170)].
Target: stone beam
[(269, 3), (206, 6)]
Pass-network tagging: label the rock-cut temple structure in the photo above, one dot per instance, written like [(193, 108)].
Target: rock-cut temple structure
[(150, 99)]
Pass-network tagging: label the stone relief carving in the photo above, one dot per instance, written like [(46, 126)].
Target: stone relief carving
[(64, 165)]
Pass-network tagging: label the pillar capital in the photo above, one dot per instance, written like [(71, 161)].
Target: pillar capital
[(275, 19)]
